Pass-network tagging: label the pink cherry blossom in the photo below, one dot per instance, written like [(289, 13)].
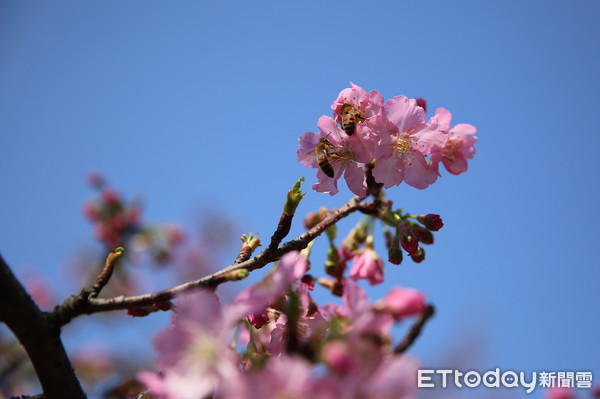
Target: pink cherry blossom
[(396, 379), (258, 297), (404, 142), (459, 147), (357, 101), (402, 302), (367, 265), (342, 153), (195, 353)]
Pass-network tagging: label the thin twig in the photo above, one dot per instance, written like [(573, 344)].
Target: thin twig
[(415, 330), (78, 305), (106, 272)]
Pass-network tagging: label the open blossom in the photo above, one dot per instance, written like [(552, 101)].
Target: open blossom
[(404, 142), (459, 147), (195, 355), (356, 101), (367, 265), (333, 147), (255, 299)]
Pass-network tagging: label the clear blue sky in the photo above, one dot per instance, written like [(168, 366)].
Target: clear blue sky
[(200, 104)]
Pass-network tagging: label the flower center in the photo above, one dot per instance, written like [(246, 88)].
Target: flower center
[(404, 147)]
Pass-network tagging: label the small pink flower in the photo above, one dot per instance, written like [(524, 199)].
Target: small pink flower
[(402, 302), (338, 151), (367, 265), (338, 357), (459, 147), (358, 102), (396, 379), (258, 297), (404, 141)]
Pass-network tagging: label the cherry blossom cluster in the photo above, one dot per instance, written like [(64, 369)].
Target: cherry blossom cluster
[(269, 341), (119, 223), (393, 137)]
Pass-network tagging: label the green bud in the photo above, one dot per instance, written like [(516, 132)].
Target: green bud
[(293, 198), (331, 232), (237, 275)]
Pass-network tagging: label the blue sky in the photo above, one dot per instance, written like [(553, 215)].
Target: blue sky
[(197, 105)]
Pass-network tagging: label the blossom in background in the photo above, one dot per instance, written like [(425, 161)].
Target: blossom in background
[(402, 302), (340, 151), (195, 353)]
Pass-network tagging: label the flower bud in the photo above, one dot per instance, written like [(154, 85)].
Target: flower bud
[(258, 319), (408, 239), (338, 288), (431, 221), (418, 256), (394, 251), (293, 198), (314, 218), (402, 302), (110, 196), (237, 275), (334, 265), (422, 103), (91, 211), (94, 178), (309, 280), (425, 236)]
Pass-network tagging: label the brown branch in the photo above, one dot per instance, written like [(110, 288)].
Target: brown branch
[(39, 336), (415, 330), (81, 304)]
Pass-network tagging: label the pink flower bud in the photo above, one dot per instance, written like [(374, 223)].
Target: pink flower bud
[(403, 302), (309, 280), (408, 238), (419, 256), (91, 211), (338, 358), (431, 221), (94, 178), (367, 265), (337, 288), (110, 196), (258, 319), (422, 103), (424, 235)]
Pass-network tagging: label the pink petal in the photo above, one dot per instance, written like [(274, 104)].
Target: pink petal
[(404, 113), (326, 184), (443, 117), (418, 173), (331, 130), (356, 179), (306, 153), (389, 171)]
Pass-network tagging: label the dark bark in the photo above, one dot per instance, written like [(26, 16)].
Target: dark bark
[(39, 336)]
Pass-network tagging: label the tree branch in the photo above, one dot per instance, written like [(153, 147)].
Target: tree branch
[(415, 330), (83, 304), (39, 336)]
